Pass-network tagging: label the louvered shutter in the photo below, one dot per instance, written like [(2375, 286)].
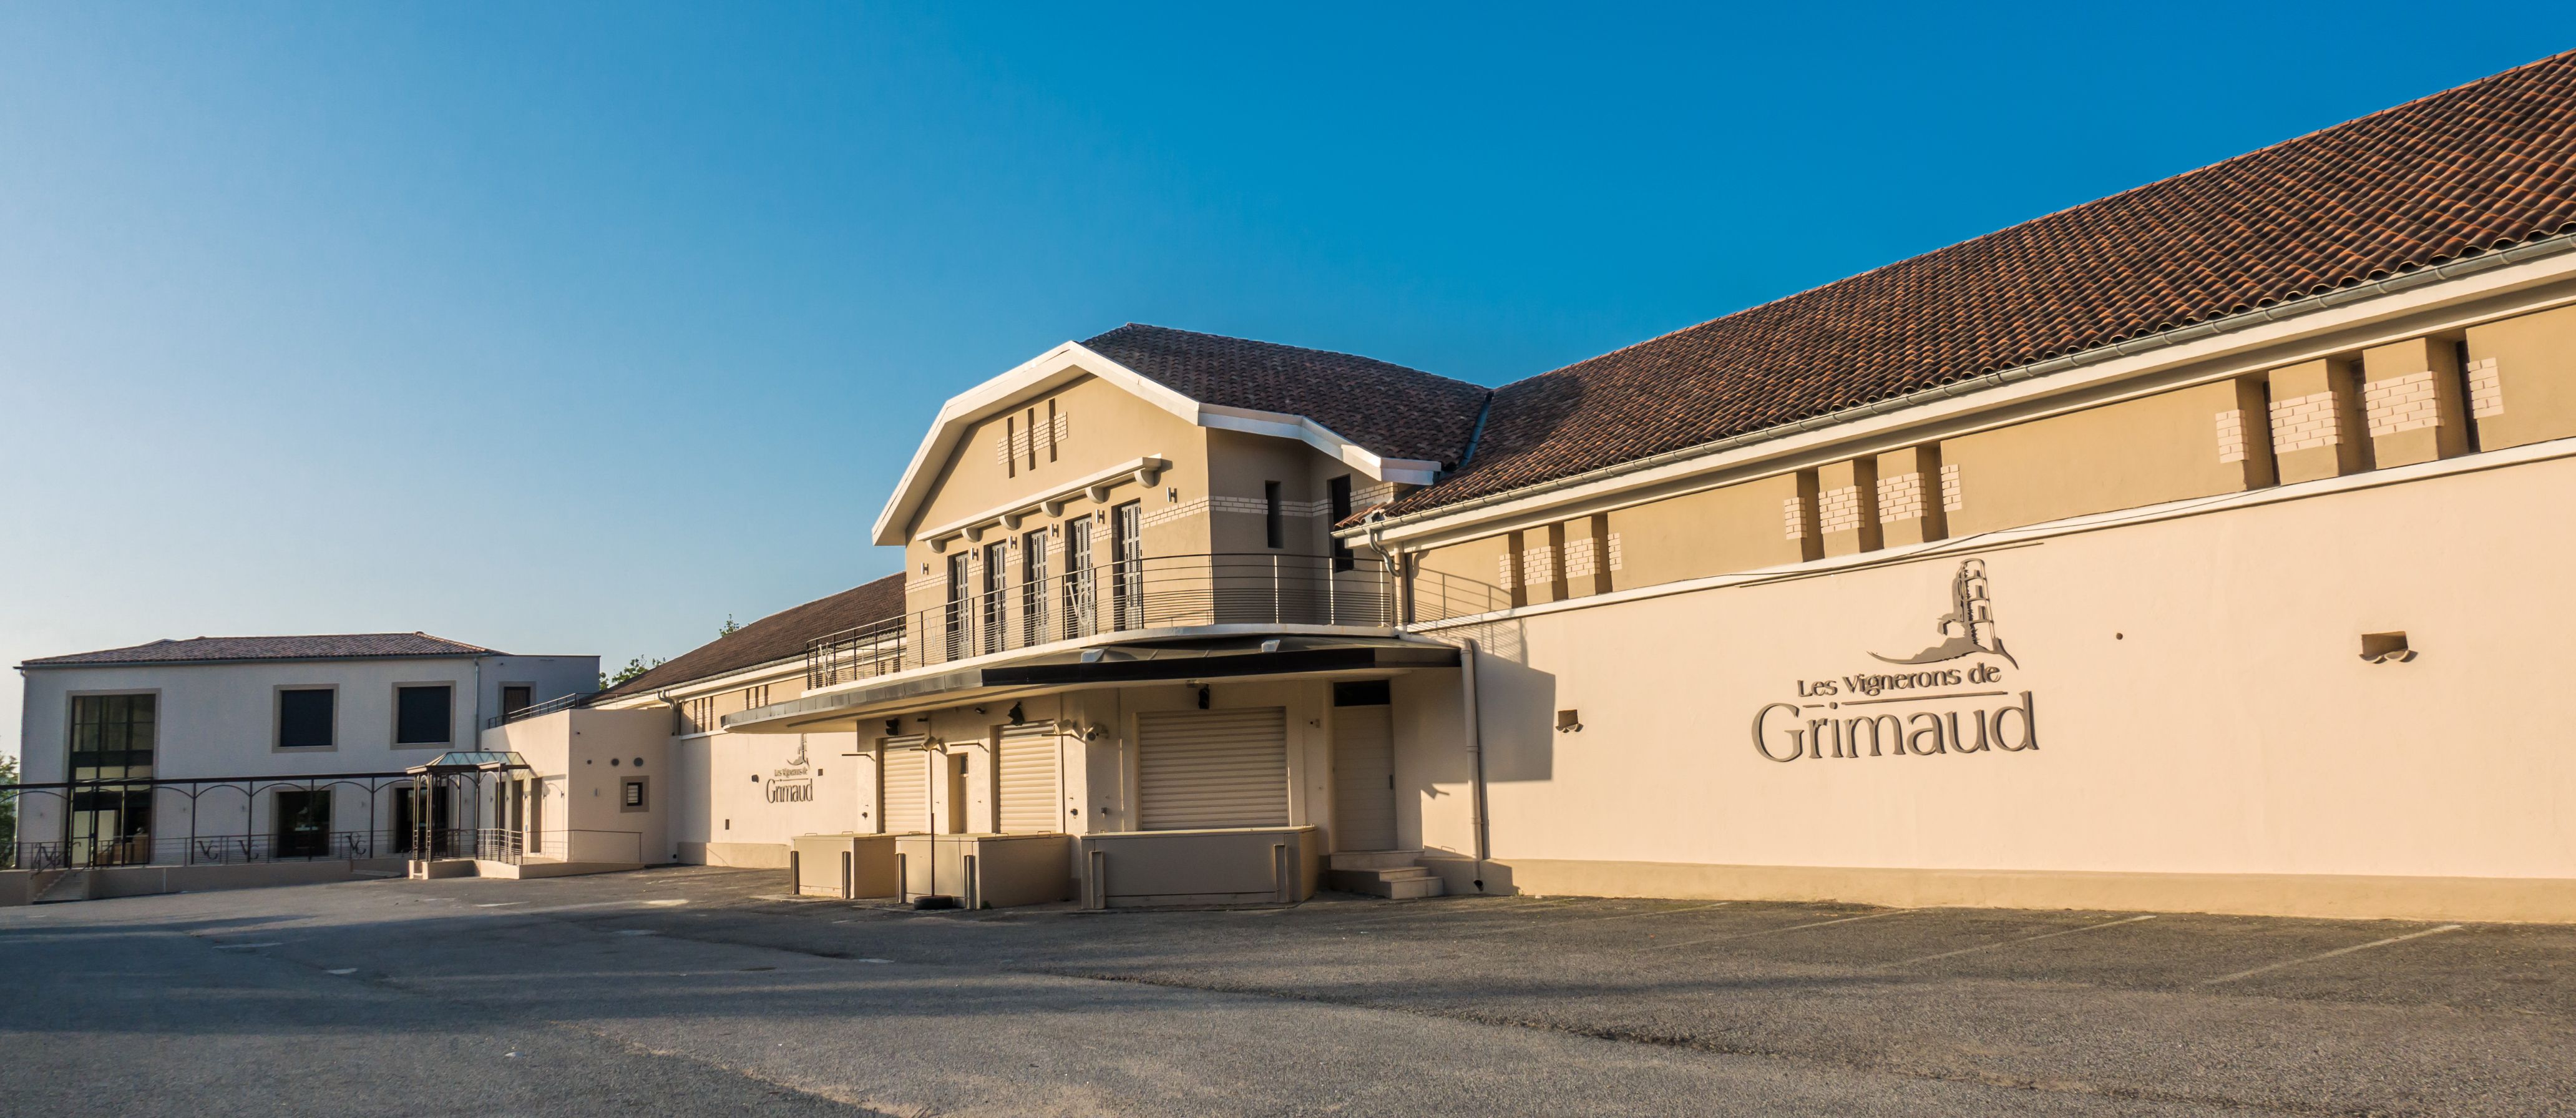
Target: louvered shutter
[(1030, 803), (906, 809), (1212, 768)]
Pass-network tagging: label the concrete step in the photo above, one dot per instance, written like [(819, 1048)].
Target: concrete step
[(1375, 859), (1402, 883)]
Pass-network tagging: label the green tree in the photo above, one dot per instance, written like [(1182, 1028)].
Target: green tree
[(729, 628), (633, 668), (8, 810)]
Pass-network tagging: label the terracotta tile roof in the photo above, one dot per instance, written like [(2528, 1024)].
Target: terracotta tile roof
[(779, 636), (1392, 410), (341, 646), (2475, 168)]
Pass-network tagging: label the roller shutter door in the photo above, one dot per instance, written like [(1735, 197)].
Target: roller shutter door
[(1212, 768), (1031, 805), (906, 809)]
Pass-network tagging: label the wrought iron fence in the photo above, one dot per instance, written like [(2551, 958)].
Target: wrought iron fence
[(991, 614)]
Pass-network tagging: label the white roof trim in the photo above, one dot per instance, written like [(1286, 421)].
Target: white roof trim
[(1072, 360)]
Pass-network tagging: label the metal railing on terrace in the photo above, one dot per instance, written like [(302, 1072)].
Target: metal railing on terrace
[(533, 710), (1439, 596), (993, 614)]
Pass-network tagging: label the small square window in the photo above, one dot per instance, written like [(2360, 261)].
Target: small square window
[(632, 796), (304, 718), (421, 715)]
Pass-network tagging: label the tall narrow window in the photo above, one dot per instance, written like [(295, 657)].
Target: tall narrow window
[(997, 580), (959, 589), (1033, 438), (1050, 430), (1127, 548), (1274, 529), (1080, 600), (1340, 491), (422, 715), (1010, 446), (111, 739), (304, 718), (1033, 588)]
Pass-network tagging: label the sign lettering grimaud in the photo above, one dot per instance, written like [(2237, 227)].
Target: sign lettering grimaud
[(1954, 700)]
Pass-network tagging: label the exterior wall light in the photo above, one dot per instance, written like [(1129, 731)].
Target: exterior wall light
[(1568, 721), (2385, 648)]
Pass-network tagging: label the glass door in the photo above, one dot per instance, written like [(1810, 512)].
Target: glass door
[(110, 823)]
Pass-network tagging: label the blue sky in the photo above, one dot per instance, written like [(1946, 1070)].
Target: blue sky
[(571, 328)]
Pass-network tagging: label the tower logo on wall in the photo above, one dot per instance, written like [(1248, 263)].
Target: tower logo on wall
[(1969, 627), (793, 784), (1956, 701)]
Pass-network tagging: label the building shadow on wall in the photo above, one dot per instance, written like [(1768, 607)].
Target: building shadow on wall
[(1516, 703)]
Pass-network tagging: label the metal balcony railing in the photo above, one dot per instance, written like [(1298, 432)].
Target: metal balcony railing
[(534, 710), (1004, 612)]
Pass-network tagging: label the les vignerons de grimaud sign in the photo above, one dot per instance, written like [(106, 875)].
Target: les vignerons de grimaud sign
[(1964, 675)]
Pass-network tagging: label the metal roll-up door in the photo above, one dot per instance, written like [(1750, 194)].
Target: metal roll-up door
[(1212, 768), (906, 809), (1031, 805)]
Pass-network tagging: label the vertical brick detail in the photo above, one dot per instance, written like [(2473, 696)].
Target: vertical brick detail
[(1793, 519), (2486, 389), (2231, 435), (1901, 497), (2305, 422), (1838, 510), (1615, 564), (1538, 565), (1580, 561), (1505, 577), (2404, 403)]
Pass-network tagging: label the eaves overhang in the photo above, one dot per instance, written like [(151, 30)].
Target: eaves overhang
[(1099, 666)]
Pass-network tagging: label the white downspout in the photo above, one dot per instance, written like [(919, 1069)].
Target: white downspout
[(1476, 753)]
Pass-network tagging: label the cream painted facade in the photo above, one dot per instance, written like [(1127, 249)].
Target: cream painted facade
[(2261, 621)]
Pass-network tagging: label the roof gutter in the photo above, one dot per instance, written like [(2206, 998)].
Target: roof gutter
[(2463, 266)]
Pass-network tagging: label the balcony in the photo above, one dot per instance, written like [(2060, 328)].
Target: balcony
[(994, 614)]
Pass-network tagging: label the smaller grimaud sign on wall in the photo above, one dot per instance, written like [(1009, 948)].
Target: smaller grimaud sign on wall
[(1956, 697)]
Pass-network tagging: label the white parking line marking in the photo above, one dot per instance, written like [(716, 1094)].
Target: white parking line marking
[(500, 904), (342, 970), (666, 902), (245, 946), (1790, 928), (1585, 920), (2331, 954), (2010, 942)]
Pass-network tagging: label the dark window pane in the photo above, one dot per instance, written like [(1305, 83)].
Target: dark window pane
[(515, 699), (421, 716), (1361, 693), (1339, 489), (304, 719)]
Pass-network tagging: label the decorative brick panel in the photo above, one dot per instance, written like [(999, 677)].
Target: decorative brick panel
[(1901, 497), (1538, 564), (1505, 577), (1019, 444), (1838, 510), (1793, 519), (1950, 489), (1580, 559), (2304, 423), (2404, 403), (2486, 389), (1615, 563), (2231, 435)]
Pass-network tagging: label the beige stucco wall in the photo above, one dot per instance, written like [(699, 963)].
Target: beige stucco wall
[(1460, 580), (2125, 455), (2199, 701), (1718, 531), (2535, 358)]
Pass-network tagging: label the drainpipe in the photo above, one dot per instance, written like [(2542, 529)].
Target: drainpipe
[(1475, 752)]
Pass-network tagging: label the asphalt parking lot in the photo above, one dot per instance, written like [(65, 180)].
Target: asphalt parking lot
[(694, 990)]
